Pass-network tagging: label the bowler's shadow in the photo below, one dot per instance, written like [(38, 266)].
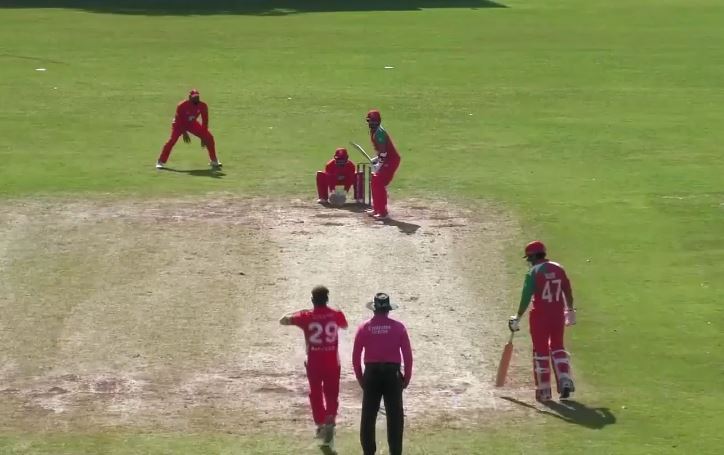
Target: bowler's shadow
[(207, 172), (572, 411)]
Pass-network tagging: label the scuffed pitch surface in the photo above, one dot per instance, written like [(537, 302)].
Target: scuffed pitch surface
[(163, 314)]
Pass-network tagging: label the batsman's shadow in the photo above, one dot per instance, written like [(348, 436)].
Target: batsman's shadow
[(207, 172), (404, 227), (574, 412)]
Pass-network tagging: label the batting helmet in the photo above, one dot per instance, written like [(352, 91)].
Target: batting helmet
[(374, 116), (534, 247), (341, 154)]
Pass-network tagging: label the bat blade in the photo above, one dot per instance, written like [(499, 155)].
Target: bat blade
[(504, 363), (359, 147)]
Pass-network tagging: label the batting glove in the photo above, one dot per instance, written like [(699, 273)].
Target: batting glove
[(514, 323), (570, 317)]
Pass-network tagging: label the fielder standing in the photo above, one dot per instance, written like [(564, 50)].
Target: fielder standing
[(185, 122), (385, 344), (547, 287), (320, 326), (384, 165)]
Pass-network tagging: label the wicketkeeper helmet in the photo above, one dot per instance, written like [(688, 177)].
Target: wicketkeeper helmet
[(341, 154)]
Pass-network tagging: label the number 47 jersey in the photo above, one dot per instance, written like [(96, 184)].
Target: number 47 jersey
[(321, 326), (547, 284)]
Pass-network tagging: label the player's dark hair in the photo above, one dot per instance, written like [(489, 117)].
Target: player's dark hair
[(320, 295)]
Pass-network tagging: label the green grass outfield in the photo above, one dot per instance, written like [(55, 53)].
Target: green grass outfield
[(598, 123)]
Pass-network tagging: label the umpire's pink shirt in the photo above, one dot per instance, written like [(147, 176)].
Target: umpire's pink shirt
[(382, 339)]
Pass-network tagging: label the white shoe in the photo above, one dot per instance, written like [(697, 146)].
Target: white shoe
[(216, 164), (381, 217), (322, 201), (160, 165)]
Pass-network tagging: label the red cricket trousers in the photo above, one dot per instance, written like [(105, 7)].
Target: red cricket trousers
[(323, 391), (194, 128), (546, 330), (379, 182), (323, 185)]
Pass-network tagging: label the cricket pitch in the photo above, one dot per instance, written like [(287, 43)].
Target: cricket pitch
[(163, 314)]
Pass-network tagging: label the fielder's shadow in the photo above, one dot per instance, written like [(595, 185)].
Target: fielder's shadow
[(572, 411), (212, 173)]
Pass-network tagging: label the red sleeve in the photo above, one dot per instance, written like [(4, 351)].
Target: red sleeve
[(357, 352), (406, 355), (300, 318), (341, 320), (567, 289), (179, 116), (349, 172), (205, 115), (329, 167)]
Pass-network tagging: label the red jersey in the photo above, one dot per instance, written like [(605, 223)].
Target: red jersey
[(320, 326), (187, 112), (547, 285), (340, 175), (386, 151)]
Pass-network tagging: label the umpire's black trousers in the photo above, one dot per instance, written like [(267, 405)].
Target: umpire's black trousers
[(382, 380)]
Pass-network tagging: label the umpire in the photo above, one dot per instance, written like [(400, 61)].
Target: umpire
[(386, 344)]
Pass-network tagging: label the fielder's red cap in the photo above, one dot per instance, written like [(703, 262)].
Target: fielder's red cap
[(534, 247), (194, 93), (374, 116)]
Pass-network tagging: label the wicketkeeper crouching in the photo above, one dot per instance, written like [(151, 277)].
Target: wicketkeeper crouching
[(337, 178)]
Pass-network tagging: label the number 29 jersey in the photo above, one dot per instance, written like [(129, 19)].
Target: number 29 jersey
[(547, 284), (321, 326)]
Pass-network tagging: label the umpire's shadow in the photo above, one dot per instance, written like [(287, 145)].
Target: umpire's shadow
[(572, 411), (206, 172)]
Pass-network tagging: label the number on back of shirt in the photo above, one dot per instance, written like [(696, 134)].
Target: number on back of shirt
[(320, 334), (549, 296)]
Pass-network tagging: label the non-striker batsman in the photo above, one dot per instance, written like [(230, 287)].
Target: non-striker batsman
[(548, 289)]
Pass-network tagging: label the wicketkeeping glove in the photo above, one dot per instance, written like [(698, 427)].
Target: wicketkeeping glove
[(187, 139), (514, 323)]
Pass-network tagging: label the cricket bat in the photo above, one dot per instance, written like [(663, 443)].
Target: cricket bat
[(359, 147), (505, 362)]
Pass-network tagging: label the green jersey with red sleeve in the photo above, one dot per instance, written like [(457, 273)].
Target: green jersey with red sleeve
[(386, 150)]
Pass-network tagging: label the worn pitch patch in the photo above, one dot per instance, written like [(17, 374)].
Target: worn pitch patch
[(163, 314)]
